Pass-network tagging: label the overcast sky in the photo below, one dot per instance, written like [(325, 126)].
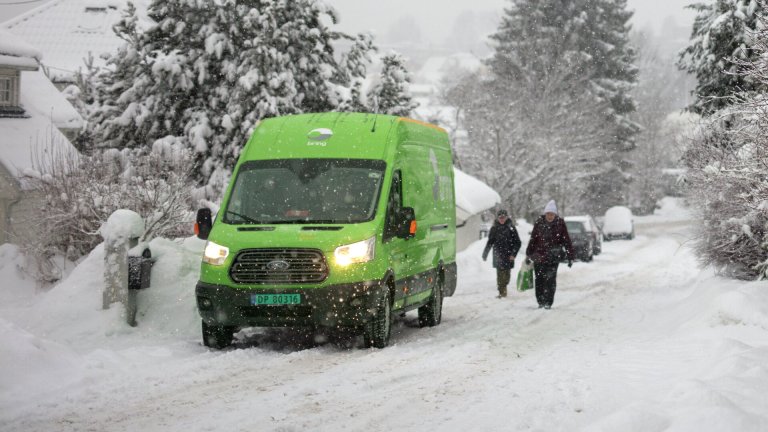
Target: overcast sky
[(434, 17)]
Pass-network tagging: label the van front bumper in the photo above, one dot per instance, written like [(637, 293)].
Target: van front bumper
[(347, 305)]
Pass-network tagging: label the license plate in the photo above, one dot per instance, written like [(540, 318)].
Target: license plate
[(275, 299)]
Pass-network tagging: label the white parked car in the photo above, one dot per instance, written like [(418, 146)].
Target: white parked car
[(618, 224)]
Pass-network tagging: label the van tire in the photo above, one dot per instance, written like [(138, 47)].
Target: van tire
[(217, 337), (378, 329), (431, 313)]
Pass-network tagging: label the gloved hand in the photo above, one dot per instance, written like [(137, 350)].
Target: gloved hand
[(485, 256), (570, 263), (528, 260)]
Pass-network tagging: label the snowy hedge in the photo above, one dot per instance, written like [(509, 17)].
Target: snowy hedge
[(79, 193), (728, 175)]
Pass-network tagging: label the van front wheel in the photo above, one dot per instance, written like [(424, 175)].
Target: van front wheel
[(217, 337), (379, 328), (431, 313)]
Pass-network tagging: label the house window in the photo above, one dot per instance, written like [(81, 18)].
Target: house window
[(8, 91)]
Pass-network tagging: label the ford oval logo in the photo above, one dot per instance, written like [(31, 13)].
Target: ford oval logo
[(278, 265), (321, 134)]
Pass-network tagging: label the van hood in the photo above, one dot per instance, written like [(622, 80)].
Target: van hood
[(312, 236)]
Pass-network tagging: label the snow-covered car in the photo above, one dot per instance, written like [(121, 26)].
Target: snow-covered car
[(618, 224), (585, 236), (485, 228)]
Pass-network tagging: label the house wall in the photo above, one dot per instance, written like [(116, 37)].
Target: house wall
[(469, 232), (23, 225), (8, 195)]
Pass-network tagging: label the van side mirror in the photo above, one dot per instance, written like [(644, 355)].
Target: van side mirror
[(203, 223), (406, 227)]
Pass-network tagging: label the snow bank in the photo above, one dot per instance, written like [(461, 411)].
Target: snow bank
[(685, 347), (16, 286), (166, 310), (33, 364)]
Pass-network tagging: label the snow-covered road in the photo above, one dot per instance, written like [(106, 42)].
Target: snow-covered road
[(640, 339)]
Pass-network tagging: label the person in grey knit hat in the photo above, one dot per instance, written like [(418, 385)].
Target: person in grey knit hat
[(549, 244)]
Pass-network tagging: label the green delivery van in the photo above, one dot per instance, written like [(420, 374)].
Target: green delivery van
[(332, 219)]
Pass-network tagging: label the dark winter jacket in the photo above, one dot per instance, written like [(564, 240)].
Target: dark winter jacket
[(505, 242), (548, 240)]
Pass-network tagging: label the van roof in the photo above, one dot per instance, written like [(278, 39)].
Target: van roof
[(337, 135)]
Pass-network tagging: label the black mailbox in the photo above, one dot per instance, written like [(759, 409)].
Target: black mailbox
[(139, 270)]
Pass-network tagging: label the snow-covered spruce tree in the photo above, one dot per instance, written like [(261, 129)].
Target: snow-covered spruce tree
[(722, 30), (728, 175), (553, 54), (391, 93), (207, 72)]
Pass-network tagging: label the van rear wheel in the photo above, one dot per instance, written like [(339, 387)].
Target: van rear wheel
[(217, 337), (377, 331), (431, 313)]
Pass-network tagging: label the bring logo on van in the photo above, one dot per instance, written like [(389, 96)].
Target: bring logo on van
[(317, 137)]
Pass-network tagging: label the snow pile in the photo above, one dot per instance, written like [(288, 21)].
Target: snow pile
[(16, 286), (71, 313), (33, 364)]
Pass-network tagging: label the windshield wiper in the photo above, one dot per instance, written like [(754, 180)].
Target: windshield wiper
[(244, 217)]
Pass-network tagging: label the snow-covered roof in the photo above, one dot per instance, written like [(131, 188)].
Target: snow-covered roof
[(66, 31), (39, 95), (48, 111), (16, 53), (472, 196)]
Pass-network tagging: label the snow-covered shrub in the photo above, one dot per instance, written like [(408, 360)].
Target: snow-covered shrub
[(728, 182), (78, 194), (728, 174)]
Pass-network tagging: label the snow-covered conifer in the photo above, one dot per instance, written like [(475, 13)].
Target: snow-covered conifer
[(722, 30), (391, 93), (562, 72), (727, 176), (207, 72)]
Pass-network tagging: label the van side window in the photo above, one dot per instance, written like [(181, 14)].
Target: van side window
[(394, 204)]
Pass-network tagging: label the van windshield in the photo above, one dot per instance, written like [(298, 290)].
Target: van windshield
[(305, 191)]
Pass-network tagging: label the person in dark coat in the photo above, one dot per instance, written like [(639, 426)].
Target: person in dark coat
[(505, 242), (549, 244)]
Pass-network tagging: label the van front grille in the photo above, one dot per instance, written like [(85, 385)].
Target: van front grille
[(279, 266)]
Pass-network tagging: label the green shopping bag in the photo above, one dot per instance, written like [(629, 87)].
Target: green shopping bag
[(525, 277)]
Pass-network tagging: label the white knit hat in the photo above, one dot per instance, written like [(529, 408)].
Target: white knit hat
[(551, 207)]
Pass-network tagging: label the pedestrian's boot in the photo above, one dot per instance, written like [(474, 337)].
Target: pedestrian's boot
[(502, 292)]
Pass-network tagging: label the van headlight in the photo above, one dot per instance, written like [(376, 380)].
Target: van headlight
[(359, 252), (215, 254)]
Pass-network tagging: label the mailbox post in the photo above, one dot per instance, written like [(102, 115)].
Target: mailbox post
[(121, 233)]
